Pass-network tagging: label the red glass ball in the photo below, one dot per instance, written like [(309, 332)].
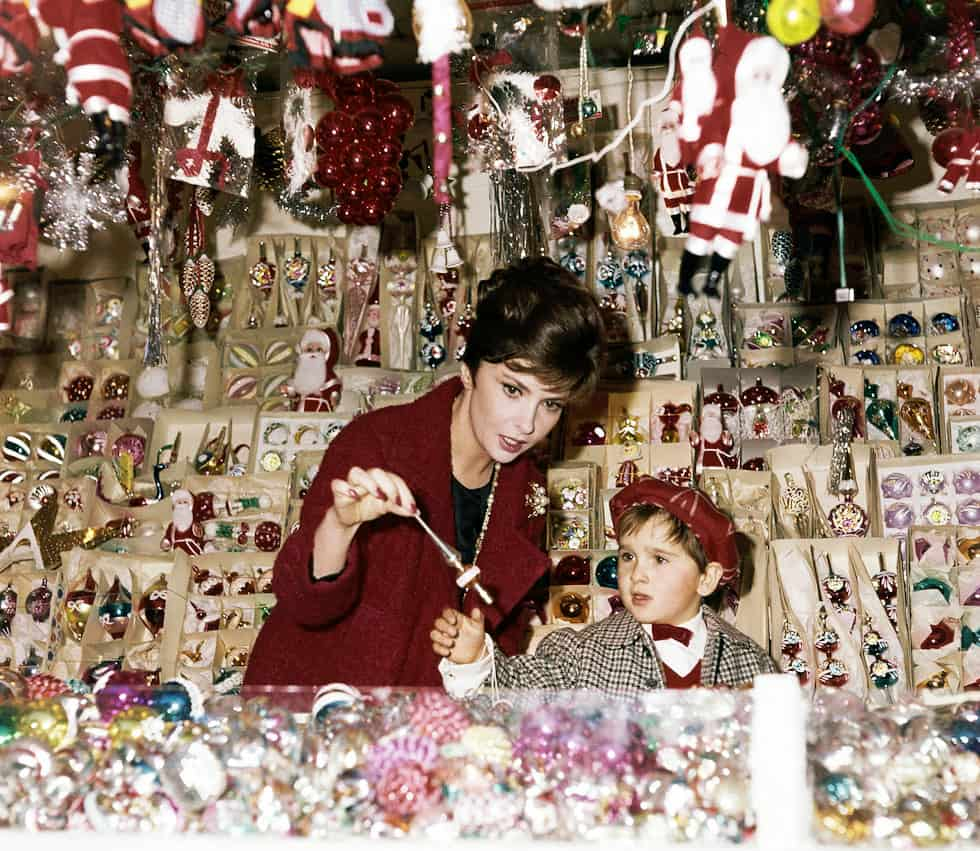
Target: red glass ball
[(354, 86), (866, 70), (355, 103), (334, 128), (369, 123), (346, 213), (388, 152), (478, 127), (866, 126), (398, 114), (547, 87), (329, 172), (949, 145), (351, 191), (387, 182), (847, 17), (360, 157), (372, 211)]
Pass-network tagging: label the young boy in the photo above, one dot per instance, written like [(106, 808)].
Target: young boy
[(675, 548)]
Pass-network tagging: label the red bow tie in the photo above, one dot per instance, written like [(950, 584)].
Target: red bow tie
[(664, 631)]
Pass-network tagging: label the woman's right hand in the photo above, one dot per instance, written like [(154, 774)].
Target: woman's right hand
[(367, 494)]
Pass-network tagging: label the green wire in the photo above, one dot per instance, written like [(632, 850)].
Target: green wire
[(897, 227)]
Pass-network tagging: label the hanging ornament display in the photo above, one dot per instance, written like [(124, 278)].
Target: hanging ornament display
[(197, 274), (162, 26), (77, 200), (216, 133), (345, 37), (87, 34), (517, 120), (738, 140), (360, 145)]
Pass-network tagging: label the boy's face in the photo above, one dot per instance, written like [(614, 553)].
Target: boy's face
[(658, 581)]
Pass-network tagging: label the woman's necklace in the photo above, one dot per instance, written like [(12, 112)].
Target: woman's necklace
[(486, 513)]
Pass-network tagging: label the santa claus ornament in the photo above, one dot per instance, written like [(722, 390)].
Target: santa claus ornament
[(87, 34), (736, 124), (345, 36), (669, 172), (315, 386), (160, 26), (18, 38)]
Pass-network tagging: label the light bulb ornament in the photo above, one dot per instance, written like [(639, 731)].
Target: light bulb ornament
[(629, 228)]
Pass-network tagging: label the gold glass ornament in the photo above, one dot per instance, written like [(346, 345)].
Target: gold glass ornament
[(916, 413), (78, 605), (45, 720), (907, 354)]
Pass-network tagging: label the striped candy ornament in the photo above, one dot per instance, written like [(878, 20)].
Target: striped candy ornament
[(407, 748)]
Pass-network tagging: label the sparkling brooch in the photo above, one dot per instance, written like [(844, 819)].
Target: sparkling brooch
[(536, 501)]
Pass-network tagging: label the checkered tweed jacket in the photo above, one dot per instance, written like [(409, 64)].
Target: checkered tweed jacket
[(617, 656)]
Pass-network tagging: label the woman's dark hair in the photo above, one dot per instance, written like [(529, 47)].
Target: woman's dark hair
[(535, 316)]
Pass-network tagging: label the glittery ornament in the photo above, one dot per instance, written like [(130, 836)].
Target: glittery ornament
[(115, 611), (78, 604), (78, 199), (38, 602), (42, 686), (45, 720), (153, 605), (435, 715)]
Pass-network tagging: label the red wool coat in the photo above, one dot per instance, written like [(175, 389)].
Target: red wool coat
[(370, 626)]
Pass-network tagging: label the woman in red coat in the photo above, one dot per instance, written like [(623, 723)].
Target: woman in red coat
[(359, 584)]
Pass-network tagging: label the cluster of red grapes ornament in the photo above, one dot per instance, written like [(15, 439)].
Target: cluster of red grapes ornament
[(359, 147)]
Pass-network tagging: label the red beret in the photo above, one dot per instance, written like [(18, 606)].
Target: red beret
[(692, 507)]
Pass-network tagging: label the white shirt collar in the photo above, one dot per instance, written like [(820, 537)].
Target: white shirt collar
[(680, 658)]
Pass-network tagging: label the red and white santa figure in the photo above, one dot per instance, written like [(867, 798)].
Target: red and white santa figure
[(343, 35), (315, 386), (669, 171), (740, 137), (369, 340), (184, 532), (18, 38), (87, 34), (159, 26)]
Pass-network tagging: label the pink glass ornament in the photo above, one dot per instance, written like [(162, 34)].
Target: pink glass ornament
[(847, 17)]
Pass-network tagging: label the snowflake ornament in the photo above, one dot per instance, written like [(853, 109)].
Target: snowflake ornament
[(76, 202)]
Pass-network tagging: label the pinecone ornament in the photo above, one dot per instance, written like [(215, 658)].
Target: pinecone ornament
[(782, 246), (196, 280)]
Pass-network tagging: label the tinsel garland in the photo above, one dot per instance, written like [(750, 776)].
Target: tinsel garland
[(155, 354), (515, 222), (270, 175), (907, 88)]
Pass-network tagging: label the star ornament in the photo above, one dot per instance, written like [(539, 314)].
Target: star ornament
[(46, 545), (79, 200)]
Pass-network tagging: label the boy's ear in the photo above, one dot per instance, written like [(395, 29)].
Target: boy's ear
[(710, 577)]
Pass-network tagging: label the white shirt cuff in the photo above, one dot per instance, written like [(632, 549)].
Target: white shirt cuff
[(464, 680)]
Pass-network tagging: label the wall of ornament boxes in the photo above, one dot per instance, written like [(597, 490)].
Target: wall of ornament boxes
[(844, 612)]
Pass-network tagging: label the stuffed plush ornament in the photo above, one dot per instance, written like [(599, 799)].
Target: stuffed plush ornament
[(343, 35), (160, 26), (736, 124), (217, 134), (87, 34)]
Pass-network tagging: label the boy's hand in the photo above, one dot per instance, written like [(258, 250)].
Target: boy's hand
[(457, 637)]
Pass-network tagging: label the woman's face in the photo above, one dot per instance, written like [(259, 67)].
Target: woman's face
[(510, 411)]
